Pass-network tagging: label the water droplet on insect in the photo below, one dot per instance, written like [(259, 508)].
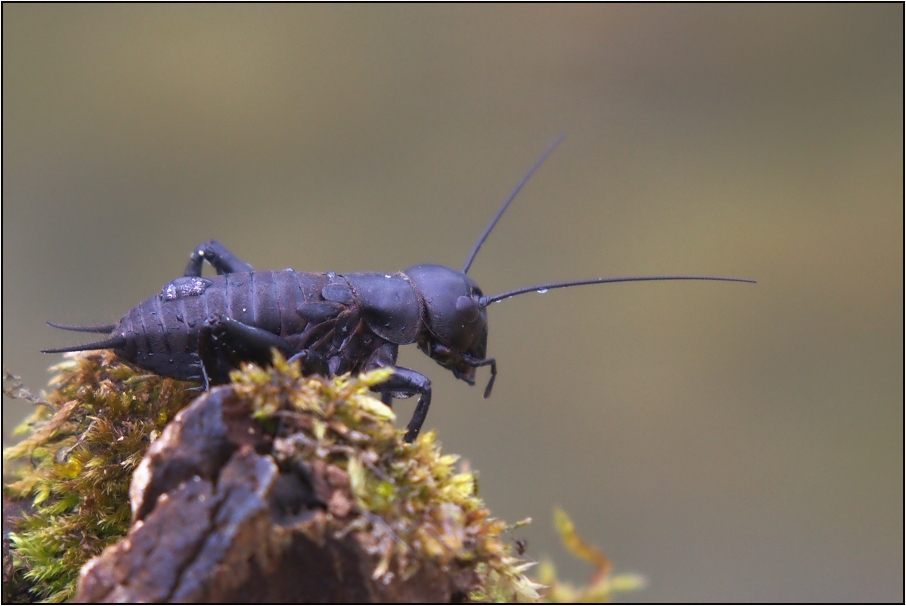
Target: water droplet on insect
[(541, 291)]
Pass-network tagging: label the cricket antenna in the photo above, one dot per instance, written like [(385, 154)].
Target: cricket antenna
[(543, 288), (506, 203)]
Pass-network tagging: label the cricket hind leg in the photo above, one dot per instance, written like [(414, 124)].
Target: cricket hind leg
[(218, 256), (224, 344)]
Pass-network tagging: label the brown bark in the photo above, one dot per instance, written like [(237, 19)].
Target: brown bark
[(216, 520)]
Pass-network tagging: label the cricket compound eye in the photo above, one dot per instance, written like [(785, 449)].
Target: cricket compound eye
[(467, 308)]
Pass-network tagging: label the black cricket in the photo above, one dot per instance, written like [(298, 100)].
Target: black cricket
[(199, 329)]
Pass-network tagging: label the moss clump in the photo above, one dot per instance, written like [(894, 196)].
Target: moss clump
[(74, 469), (102, 414), (410, 497), (601, 586), (75, 466)]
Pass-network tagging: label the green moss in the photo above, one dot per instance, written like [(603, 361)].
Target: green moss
[(101, 414), (84, 440), (75, 466), (411, 496), (601, 586)]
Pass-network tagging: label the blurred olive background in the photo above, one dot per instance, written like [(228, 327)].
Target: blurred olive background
[(730, 442)]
